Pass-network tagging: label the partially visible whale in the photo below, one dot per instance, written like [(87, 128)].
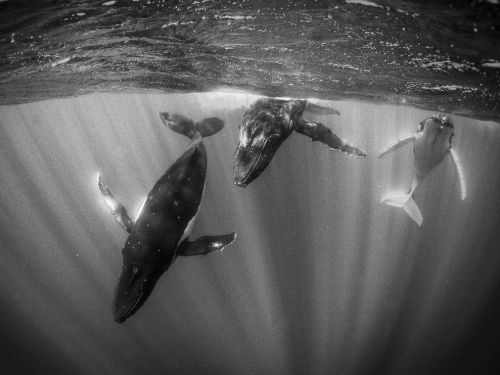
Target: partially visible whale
[(431, 143), (161, 232), (266, 123)]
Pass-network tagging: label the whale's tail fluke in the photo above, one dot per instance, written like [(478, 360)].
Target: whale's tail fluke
[(182, 125), (406, 202)]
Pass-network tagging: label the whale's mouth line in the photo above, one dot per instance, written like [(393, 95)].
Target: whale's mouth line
[(244, 180), (138, 297), (130, 310)]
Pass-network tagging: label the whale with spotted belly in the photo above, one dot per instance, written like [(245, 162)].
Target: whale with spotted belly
[(161, 232)]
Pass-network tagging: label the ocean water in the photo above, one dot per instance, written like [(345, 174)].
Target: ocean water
[(322, 278)]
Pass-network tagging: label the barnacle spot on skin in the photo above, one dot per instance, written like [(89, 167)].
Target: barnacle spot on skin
[(244, 139)]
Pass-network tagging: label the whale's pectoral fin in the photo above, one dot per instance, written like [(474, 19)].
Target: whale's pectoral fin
[(319, 132), (116, 208), (397, 145), (206, 244), (320, 110), (460, 172)]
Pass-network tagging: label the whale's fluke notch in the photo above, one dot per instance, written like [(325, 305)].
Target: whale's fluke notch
[(183, 125), (115, 207), (206, 244), (319, 132)]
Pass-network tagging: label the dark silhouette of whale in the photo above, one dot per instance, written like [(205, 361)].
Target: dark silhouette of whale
[(161, 231), (431, 143), (266, 123)]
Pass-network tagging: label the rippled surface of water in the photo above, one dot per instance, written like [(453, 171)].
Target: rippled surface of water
[(434, 55)]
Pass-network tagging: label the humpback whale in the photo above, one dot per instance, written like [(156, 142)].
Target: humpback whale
[(431, 143), (266, 123), (161, 232)]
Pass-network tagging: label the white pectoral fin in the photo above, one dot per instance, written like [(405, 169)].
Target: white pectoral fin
[(406, 202), (114, 206), (460, 172), (397, 145)]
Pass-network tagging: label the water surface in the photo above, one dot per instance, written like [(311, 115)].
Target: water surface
[(433, 55)]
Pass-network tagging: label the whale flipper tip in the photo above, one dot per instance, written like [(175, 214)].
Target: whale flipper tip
[(206, 244)]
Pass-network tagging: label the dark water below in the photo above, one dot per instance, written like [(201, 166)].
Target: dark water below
[(433, 55)]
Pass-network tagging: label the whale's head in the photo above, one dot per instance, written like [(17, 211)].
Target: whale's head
[(439, 121), (261, 133), (137, 280), (134, 286), (438, 126)]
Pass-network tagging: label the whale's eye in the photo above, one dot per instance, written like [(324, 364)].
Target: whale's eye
[(135, 269)]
